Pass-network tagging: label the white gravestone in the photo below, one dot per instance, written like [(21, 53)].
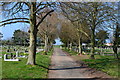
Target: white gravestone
[(17, 54), (5, 58)]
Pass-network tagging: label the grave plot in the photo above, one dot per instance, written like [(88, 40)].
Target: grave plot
[(39, 50), (17, 51), (11, 58), (23, 53)]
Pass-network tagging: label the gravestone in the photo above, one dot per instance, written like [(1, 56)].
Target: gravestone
[(17, 54), (6, 59)]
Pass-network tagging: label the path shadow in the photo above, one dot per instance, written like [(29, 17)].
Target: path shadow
[(42, 66), (68, 68)]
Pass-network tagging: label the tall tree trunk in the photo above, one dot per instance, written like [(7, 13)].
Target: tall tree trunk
[(80, 45), (46, 43), (51, 45), (93, 44), (101, 49), (115, 44), (66, 45), (70, 46), (33, 34)]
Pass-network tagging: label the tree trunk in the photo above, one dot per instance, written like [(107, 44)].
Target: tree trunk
[(70, 46), (115, 44), (67, 45), (101, 51), (46, 43), (80, 46), (93, 44), (115, 50), (33, 34), (51, 45)]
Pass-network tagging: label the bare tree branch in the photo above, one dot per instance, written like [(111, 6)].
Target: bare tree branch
[(40, 9), (14, 19), (44, 18), (14, 22)]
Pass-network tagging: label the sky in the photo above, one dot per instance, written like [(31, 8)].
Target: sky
[(58, 42), (8, 31)]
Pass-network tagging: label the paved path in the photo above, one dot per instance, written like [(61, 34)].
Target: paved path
[(63, 66)]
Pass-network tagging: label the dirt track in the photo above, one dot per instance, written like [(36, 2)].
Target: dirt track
[(64, 66)]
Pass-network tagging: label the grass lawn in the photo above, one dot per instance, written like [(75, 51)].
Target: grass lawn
[(70, 52), (21, 70), (0, 68), (57, 46), (107, 64)]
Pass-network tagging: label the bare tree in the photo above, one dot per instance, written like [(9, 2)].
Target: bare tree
[(93, 13), (32, 9), (71, 34), (114, 24), (48, 31), (77, 20), (67, 34)]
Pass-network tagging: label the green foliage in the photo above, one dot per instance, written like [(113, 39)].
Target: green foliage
[(21, 70), (101, 40), (20, 37)]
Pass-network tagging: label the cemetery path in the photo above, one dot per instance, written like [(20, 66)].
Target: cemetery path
[(64, 66)]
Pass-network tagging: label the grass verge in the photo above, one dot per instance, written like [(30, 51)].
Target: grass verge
[(70, 51), (106, 63), (21, 70)]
